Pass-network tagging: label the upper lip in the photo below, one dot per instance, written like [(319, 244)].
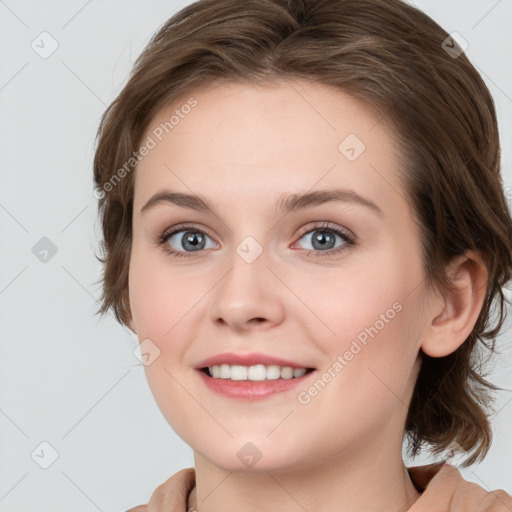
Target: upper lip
[(247, 360)]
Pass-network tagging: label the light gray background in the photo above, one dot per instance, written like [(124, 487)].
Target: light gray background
[(65, 377)]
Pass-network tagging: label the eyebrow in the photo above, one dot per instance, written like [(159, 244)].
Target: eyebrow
[(287, 203)]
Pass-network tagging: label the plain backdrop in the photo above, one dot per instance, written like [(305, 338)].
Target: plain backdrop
[(73, 396)]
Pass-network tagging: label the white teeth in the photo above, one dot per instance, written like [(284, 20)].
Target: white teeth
[(224, 371), (286, 373), (273, 372), (238, 372), (255, 372)]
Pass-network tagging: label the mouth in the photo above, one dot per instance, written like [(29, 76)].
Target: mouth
[(239, 387), (251, 376), (255, 373)]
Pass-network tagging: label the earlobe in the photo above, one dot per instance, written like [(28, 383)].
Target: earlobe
[(455, 313)]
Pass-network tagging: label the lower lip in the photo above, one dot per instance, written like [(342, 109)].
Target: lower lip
[(251, 389)]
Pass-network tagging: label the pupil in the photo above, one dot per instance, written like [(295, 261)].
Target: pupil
[(322, 238), (194, 239)]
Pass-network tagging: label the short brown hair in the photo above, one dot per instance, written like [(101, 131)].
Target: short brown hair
[(393, 58)]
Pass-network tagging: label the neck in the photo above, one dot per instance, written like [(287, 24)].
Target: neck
[(369, 481)]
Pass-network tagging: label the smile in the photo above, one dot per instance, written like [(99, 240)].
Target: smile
[(256, 372)]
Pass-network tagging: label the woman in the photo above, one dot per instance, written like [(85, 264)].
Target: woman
[(305, 227)]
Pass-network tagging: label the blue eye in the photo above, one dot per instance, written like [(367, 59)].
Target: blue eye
[(324, 237), (187, 237), (190, 240)]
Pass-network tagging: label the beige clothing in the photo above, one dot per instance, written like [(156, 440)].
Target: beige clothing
[(178, 494)]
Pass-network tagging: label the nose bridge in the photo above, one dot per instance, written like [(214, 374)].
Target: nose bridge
[(248, 291)]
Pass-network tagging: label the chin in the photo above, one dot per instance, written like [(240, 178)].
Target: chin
[(246, 457)]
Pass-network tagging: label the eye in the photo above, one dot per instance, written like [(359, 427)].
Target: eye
[(187, 240), (184, 240), (323, 239)]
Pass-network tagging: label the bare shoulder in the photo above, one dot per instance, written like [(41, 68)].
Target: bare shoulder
[(140, 508)]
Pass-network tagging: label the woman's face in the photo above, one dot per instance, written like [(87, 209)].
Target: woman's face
[(333, 286)]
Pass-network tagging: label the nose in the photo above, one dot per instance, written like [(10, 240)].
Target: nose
[(248, 296)]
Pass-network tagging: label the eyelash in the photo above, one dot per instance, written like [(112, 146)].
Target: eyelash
[(349, 239)]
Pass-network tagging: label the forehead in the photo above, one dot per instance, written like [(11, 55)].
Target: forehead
[(258, 141)]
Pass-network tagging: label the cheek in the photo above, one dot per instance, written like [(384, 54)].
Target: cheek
[(162, 299), (349, 303), (164, 307), (365, 323)]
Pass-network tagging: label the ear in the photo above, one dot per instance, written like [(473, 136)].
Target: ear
[(455, 311)]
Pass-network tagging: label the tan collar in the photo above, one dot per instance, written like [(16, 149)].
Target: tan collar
[(177, 494)]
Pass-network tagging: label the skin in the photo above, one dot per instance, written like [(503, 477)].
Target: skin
[(242, 148), (446, 490)]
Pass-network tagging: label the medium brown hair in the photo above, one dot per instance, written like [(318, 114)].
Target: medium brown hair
[(394, 59)]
